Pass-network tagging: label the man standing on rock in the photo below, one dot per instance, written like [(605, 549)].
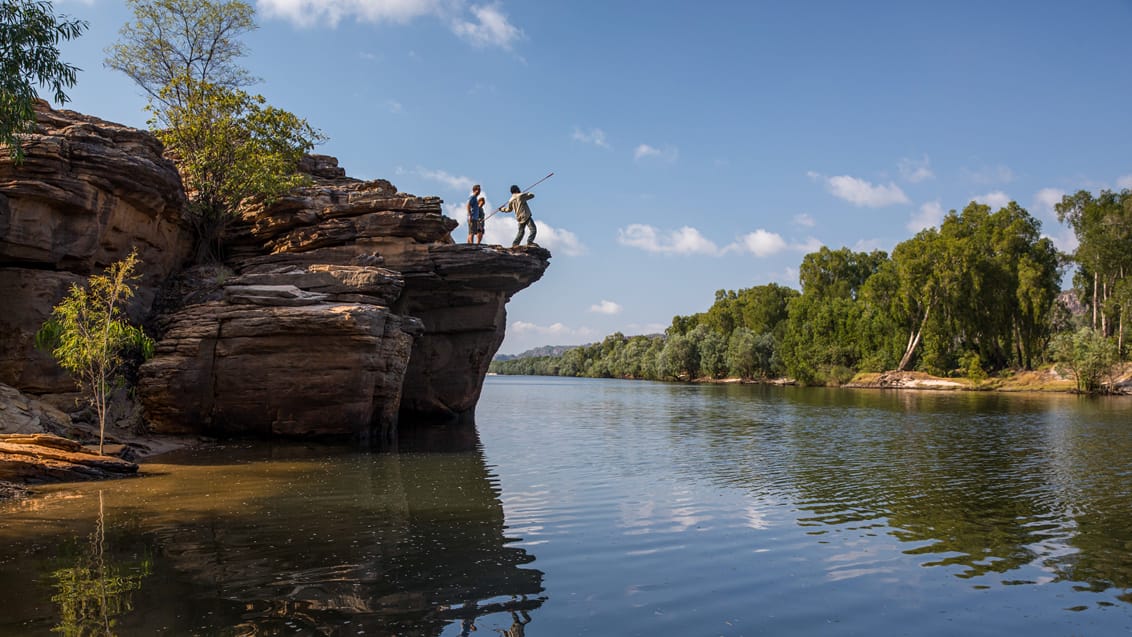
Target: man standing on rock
[(518, 205), (475, 215)]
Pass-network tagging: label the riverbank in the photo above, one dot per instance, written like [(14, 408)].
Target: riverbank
[(1044, 380)]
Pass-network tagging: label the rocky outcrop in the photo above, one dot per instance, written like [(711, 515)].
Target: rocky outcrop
[(341, 310), (40, 458), (351, 310), (89, 192)]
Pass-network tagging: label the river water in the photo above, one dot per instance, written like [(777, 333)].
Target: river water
[(602, 507)]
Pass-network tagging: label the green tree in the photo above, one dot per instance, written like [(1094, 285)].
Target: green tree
[(88, 334), (678, 359), (30, 34), (181, 44), (1103, 225), (1088, 354), (711, 351), (230, 146), (822, 340)]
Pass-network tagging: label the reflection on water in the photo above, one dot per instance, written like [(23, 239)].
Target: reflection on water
[(93, 591), (281, 540), (652, 509)]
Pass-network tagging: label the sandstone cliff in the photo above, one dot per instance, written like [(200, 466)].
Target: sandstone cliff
[(88, 192), (341, 310), (351, 310)]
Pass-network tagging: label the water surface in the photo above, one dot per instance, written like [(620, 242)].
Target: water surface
[(605, 507)]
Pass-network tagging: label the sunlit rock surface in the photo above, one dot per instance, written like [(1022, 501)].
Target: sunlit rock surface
[(351, 311), (341, 309)]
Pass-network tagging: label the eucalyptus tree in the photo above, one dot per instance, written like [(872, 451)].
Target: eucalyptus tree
[(1103, 226), (230, 146), (822, 338), (30, 33), (182, 43), (978, 293)]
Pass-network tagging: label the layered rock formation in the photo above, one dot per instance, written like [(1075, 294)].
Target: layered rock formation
[(351, 309), (88, 192), (341, 310)]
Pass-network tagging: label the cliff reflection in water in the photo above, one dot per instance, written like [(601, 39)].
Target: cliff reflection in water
[(251, 541)]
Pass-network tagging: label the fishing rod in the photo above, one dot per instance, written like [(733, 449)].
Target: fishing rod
[(527, 189)]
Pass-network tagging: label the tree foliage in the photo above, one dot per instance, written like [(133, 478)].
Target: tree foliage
[(30, 33), (973, 297), (1103, 226), (1089, 356), (229, 146), (89, 335), (173, 45)]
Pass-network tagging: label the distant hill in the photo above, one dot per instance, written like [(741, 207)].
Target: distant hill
[(545, 350)]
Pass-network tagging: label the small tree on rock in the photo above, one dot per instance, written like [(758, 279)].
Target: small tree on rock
[(88, 335)]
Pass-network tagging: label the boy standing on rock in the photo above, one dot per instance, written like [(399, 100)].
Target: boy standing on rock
[(518, 205), (475, 215)]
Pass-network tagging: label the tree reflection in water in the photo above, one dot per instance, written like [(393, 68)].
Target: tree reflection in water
[(95, 591)]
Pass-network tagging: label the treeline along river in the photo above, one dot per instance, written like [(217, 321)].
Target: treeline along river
[(606, 507)]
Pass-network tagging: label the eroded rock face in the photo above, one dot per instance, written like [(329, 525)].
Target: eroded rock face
[(89, 192), (257, 364), (352, 309)]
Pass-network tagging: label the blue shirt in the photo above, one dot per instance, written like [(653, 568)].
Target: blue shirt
[(474, 208)]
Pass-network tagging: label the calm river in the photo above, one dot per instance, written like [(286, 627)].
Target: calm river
[(609, 508)]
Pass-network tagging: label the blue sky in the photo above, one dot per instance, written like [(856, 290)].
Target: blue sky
[(695, 146)]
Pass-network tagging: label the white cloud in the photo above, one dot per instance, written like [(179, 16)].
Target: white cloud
[(989, 175), (556, 329), (929, 216), (502, 228), (1046, 199), (594, 136), (481, 25), (452, 181), (643, 151), (606, 307), (804, 219), (1065, 240), (809, 245), (1124, 181), (762, 243), (862, 193), (868, 245), (394, 106), (686, 240), (995, 200), (916, 170), (490, 28), (646, 328)]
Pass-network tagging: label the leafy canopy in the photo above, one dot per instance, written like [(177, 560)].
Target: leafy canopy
[(30, 34), (231, 145)]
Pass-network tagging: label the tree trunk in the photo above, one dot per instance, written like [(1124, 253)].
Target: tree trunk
[(1096, 281), (913, 341)]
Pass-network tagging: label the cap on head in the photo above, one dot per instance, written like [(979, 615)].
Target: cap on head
[(515, 189)]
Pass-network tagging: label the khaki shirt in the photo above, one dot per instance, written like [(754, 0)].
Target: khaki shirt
[(518, 205)]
